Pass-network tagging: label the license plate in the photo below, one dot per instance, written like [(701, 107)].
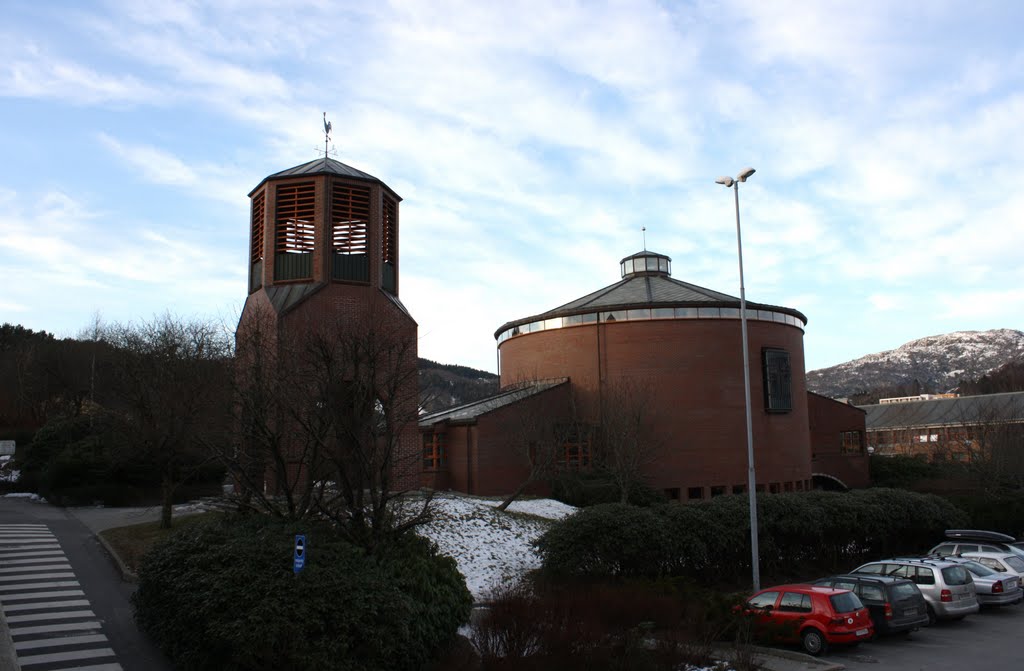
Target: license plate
[(910, 611), (862, 632)]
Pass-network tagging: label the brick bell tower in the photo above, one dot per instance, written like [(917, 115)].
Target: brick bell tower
[(324, 253)]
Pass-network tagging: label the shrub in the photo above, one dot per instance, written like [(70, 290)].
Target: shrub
[(607, 540), (221, 594), (801, 535), (591, 626), (592, 488)]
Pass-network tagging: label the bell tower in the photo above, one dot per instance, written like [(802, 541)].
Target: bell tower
[(324, 258)]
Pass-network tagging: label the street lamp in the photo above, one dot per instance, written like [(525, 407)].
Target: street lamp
[(751, 480)]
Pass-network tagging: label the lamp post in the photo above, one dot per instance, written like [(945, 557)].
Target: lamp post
[(751, 479)]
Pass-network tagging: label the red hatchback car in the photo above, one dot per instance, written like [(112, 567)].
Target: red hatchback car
[(811, 615)]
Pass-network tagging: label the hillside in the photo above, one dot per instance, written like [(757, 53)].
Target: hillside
[(927, 365), (445, 385)]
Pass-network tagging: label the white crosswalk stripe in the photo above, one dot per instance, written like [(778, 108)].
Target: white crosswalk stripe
[(50, 619)]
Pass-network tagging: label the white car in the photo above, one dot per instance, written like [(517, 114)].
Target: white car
[(1003, 562)]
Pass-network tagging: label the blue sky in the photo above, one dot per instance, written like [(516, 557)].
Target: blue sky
[(530, 141)]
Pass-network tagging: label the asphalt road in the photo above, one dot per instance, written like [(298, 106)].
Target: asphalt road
[(988, 640), (77, 556)]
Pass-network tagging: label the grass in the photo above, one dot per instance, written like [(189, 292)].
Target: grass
[(132, 542)]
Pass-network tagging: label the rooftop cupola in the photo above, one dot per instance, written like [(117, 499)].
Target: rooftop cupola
[(646, 263)]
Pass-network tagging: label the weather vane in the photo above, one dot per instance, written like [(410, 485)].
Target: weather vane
[(327, 138)]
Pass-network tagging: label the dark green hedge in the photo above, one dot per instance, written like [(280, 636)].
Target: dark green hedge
[(221, 594), (800, 535)]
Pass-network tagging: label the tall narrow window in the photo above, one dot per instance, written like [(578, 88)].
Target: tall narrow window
[(389, 244), (294, 231), (350, 214), (575, 447), (851, 442), (256, 236), (434, 456), (778, 380)]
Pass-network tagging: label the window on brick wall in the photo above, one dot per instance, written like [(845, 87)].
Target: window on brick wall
[(434, 456), (851, 442), (576, 446), (778, 380)]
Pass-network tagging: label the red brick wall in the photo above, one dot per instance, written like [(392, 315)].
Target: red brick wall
[(693, 371), (828, 420)]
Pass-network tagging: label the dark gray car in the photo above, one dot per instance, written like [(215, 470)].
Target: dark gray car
[(896, 604)]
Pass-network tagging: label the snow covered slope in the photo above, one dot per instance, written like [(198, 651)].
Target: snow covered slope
[(937, 362)]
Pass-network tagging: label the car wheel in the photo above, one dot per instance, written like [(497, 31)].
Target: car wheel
[(813, 642), (931, 615)]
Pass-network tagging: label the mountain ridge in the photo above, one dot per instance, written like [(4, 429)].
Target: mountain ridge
[(931, 364)]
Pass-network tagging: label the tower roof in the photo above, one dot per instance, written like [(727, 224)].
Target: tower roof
[(325, 166), (646, 283)]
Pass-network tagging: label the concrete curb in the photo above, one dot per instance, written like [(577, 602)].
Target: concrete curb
[(779, 659), (127, 574), (8, 660)]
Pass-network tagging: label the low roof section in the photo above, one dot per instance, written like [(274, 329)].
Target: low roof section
[(469, 412), (964, 410)]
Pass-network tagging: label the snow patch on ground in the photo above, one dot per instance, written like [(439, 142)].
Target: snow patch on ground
[(492, 548), (31, 496)]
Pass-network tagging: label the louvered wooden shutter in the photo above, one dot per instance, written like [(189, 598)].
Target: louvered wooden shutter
[(258, 207), (389, 243), (350, 214), (295, 231)]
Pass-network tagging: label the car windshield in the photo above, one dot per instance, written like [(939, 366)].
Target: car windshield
[(978, 569), (847, 602), (1016, 550), (1016, 563), (956, 575), (902, 590)]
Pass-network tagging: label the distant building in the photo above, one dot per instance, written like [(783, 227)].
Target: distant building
[(951, 428)]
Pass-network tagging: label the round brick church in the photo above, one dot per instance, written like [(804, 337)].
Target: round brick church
[(676, 349)]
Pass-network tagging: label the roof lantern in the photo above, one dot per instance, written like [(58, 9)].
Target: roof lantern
[(646, 263)]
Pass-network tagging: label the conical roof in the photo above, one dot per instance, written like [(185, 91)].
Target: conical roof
[(646, 283), (325, 166)]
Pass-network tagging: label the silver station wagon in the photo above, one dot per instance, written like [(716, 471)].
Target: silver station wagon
[(947, 587)]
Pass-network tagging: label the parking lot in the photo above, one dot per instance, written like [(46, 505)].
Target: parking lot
[(987, 640)]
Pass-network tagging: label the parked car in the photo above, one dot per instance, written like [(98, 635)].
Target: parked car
[(975, 540), (1003, 562), (947, 587), (895, 604), (813, 616), (991, 587)]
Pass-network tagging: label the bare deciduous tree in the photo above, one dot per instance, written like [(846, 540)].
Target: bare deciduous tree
[(168, 379), (327, 414), (627, 442)]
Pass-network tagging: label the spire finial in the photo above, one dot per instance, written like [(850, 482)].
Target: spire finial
[(327, 134), (643, 230)]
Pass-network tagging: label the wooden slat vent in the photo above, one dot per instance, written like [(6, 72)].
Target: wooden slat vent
[(258, 215), (350, 214), (295, 223)]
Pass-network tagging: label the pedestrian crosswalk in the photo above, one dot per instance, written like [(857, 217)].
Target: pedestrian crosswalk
[(51, 622)]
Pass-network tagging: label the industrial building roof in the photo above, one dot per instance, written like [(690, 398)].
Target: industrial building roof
[(964, 410)]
